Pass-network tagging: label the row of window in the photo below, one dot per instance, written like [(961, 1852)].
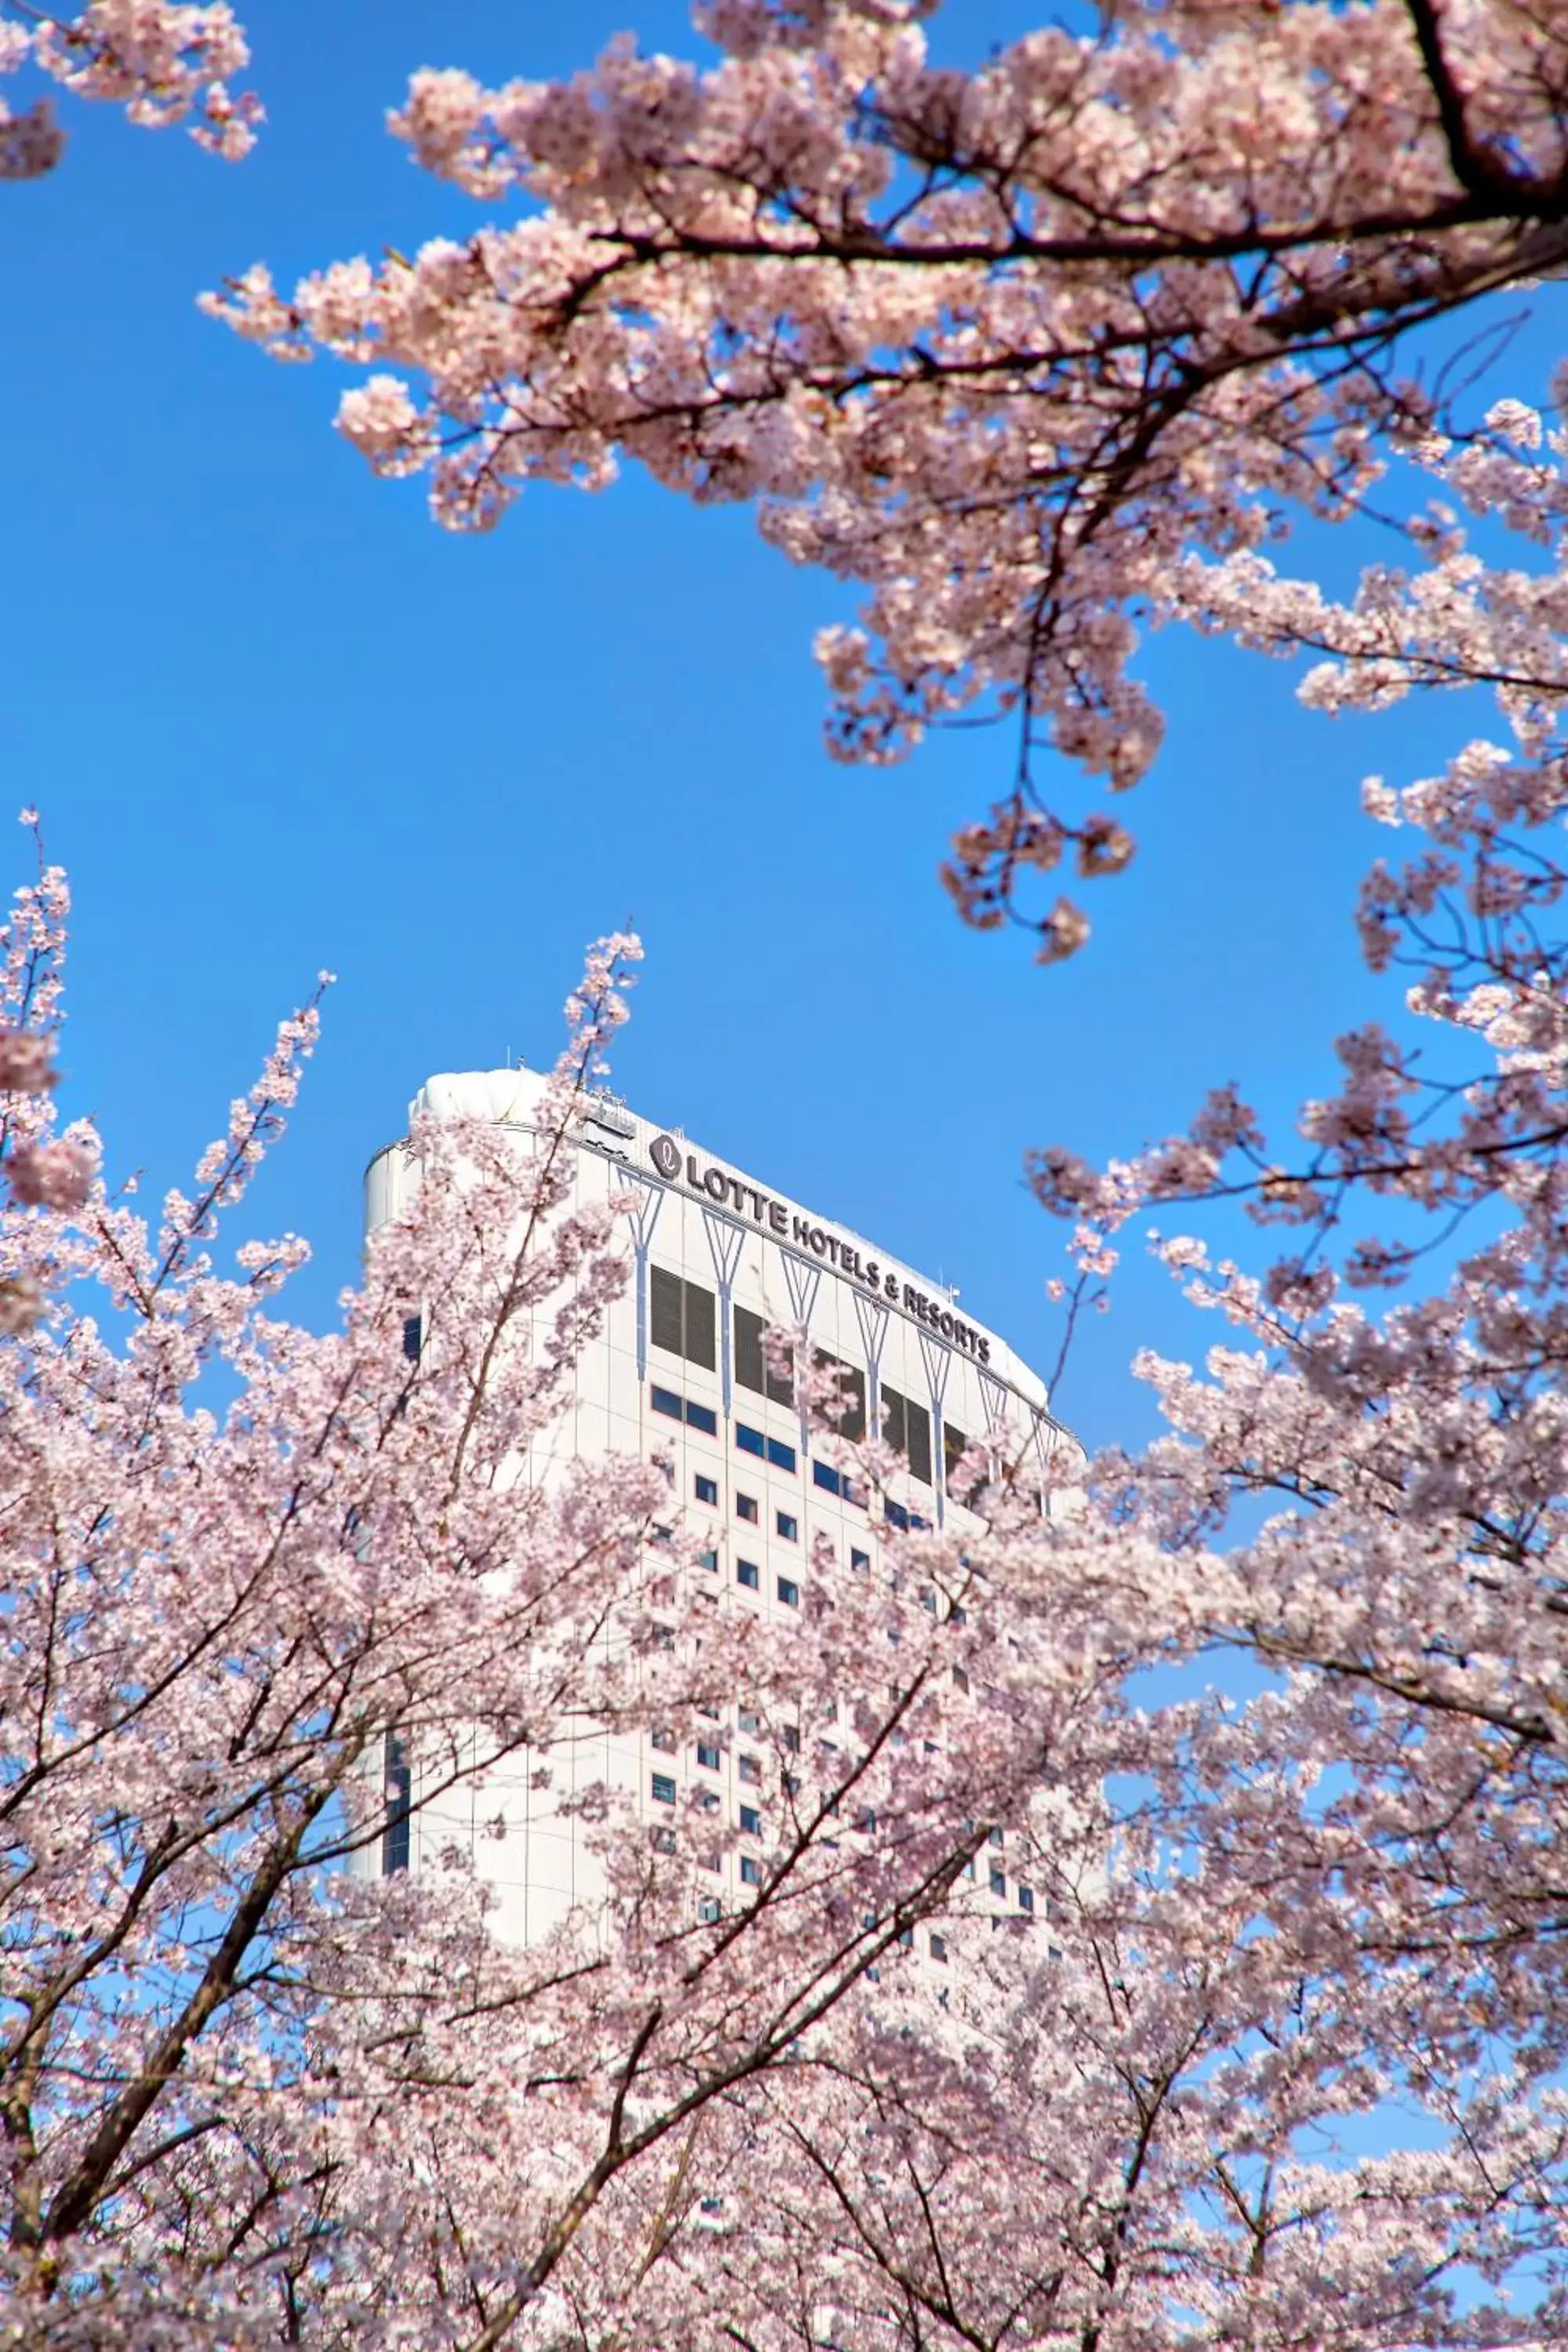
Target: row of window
[(665, 1791), (781, 1457), (685, 1409), (682, 1320)]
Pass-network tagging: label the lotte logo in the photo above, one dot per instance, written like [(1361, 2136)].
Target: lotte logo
[(665, 1153)]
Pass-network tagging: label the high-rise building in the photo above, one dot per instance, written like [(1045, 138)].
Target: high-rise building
[(680, 1369)]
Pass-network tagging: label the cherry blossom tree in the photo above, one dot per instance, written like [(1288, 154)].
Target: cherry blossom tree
[(1278, 2060), (165, 61), (250, 2096), (1006, 347)]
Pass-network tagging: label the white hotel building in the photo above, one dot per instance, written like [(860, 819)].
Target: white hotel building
[(679, 1369)]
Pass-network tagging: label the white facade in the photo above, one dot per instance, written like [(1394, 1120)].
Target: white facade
[(679, 1371)]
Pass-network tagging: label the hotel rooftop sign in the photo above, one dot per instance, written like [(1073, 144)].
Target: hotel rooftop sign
[(790, 1226)]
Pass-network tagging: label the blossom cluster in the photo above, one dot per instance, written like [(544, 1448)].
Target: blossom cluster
[(165, 61), (1008, 348)]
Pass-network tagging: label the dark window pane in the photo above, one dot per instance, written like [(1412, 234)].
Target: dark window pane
[(412, 1337), (702, 1417), (780, 1455), (848, 1414), (893, 1420), (399, 1793), (664, 1309), (749, 1440), (666, 1400), (919, 1448), (828, 1480), (954, 1443), (752, 1369), (700, 1326), (749, 1349)]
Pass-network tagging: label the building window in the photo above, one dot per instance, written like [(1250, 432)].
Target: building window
[(664, 1741), (838, 1481), (954, 1444), (999, 1882), (938, 1948), (751, 1871), (664, 1841), (766, 1449), (860, 1561), (685, 1409), (708, 1560), (898, 1517), (707, 1757), (399, 1790), (707, 1861), (412, 1337), (663, 1789), (681, 1318), (705, 1489), (995, 1836), (960, 1679), (906, 1428), (752, 1369), (789, 1735), (848, 1410), (746, 1507), (749, 1719), (710, 1909), (789, 1592), (788, 1527), (1026, 1898), (749, 1770), (751, 1821), (748, 1573)]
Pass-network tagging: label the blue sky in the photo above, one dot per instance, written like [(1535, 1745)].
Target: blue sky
[(275, 719)]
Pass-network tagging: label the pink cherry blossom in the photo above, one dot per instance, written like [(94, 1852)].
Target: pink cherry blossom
[(1028, 351), (165, 61), (25, 1061), (50, 1175)]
